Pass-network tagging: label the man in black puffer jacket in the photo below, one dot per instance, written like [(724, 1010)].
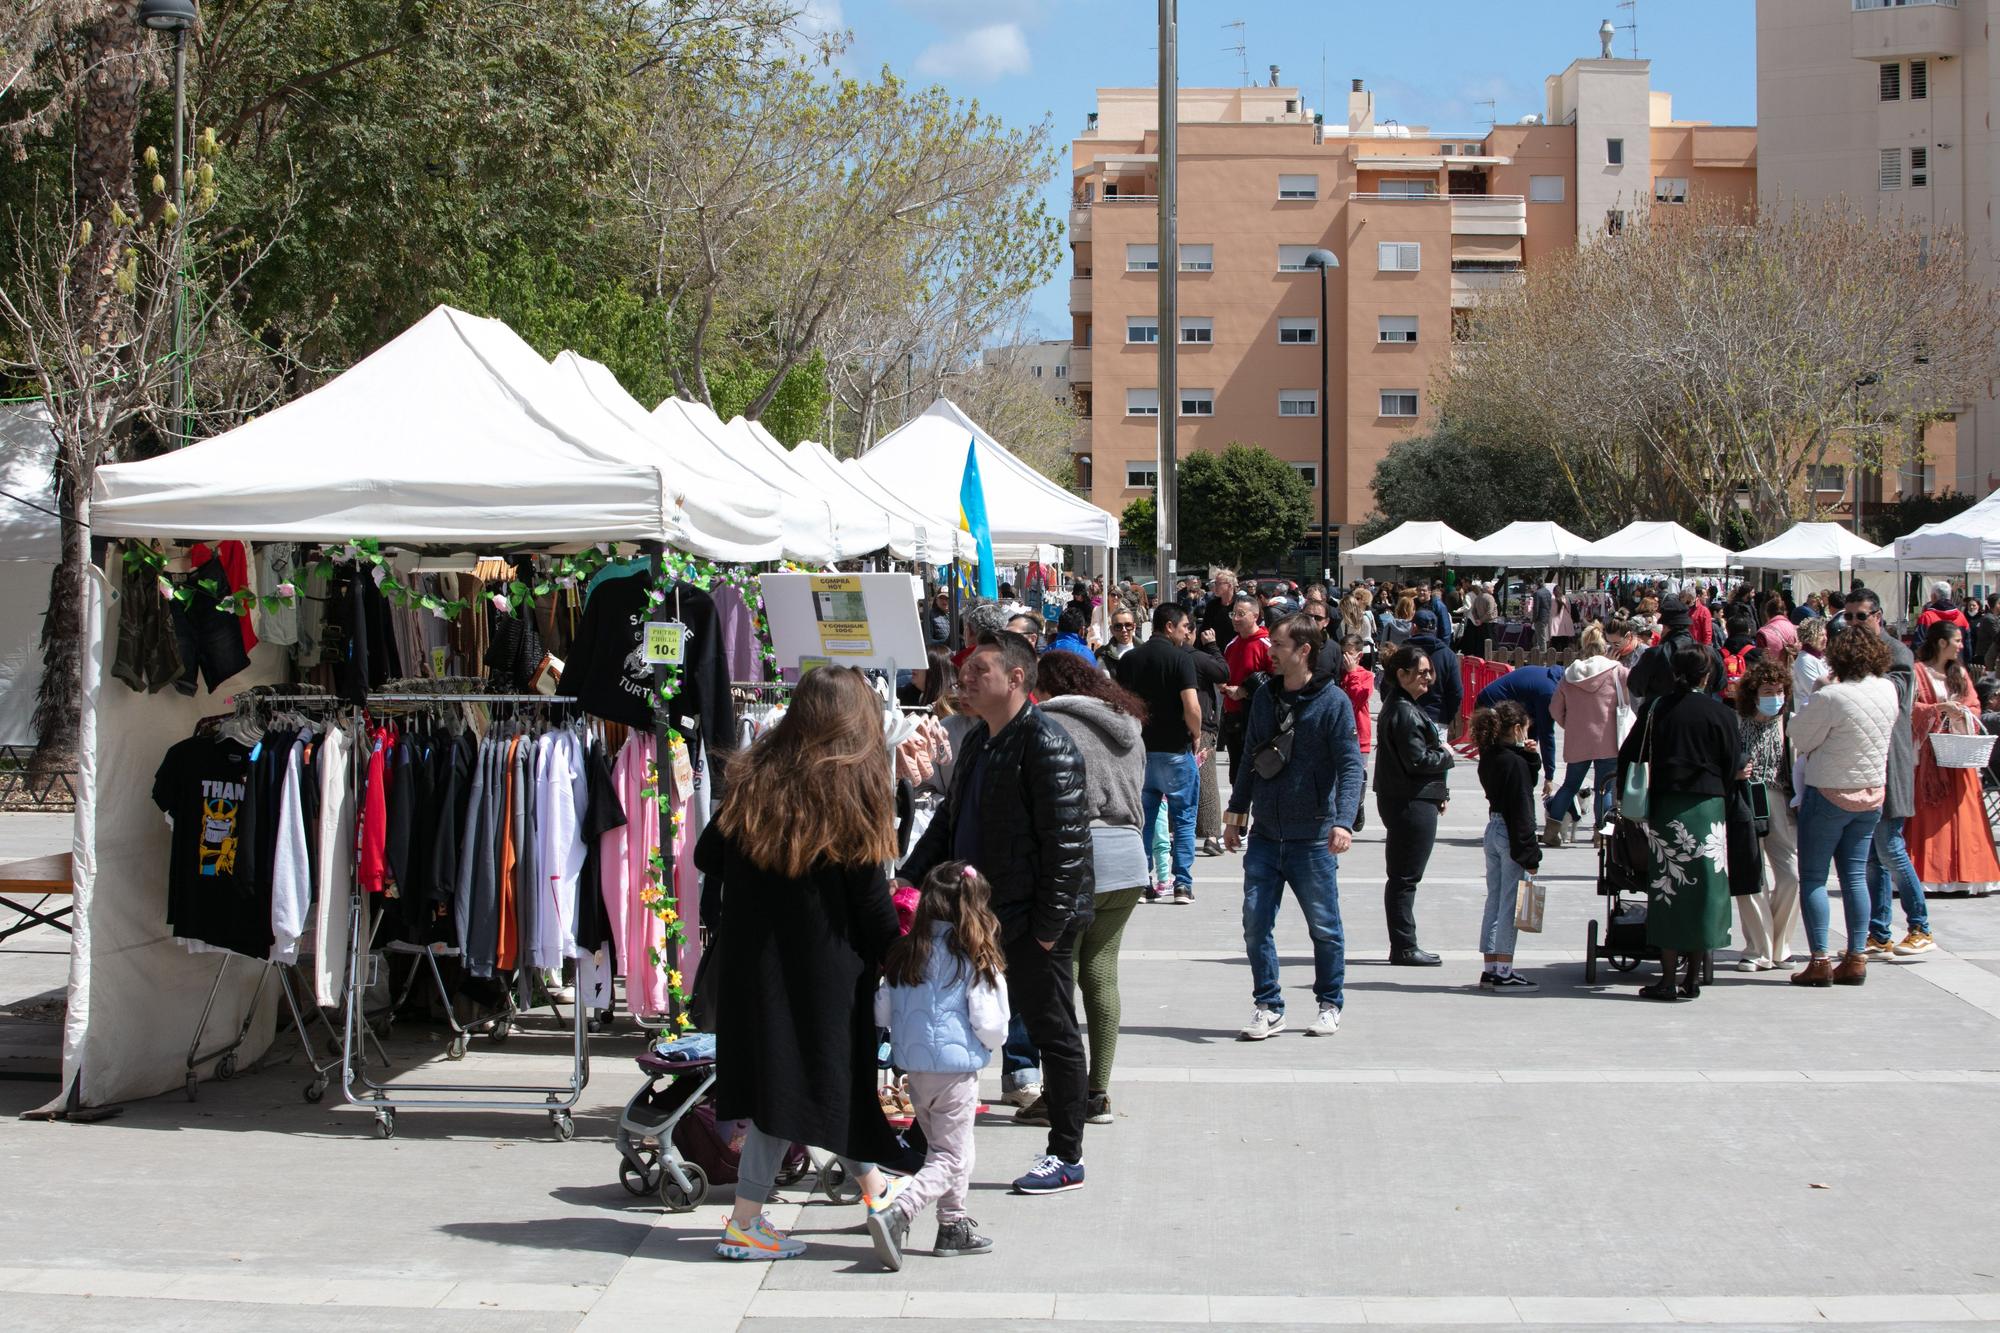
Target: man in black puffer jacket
[(1017, 812)]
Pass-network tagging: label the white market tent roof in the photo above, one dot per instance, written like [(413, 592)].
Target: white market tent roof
[(912, 536), (1971, 536), (735, 516), (923, 460), (1523, 544), (1414, 543), (1808, 547), (29, 528), (452, 433), (806, 520), (857, 530), (1885, 558), (1646, 545)]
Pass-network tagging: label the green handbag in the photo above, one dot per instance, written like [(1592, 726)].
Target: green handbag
[(1634, 792)]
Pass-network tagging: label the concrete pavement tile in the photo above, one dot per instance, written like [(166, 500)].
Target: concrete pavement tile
[(1591, 1310), (387, 1293), (1654, 1076), (96, 1282), (1552, 1076), (101, 1314), (1257, 1310), (957, 1305), (479, 1295), (9, 1277), (1252, 1075), (248, 1288), (1984, 1305), (826, 1304), (1894, 1309), (1440, 1310), (1855, 1075), (1343, 1076), (1133, 1308), (1753, 1076), (1153, 1074), (1447, 1076), (1744, 1309)]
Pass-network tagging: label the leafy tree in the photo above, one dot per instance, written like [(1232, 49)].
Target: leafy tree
[(1905, 516), (554, 308), (797, 411), (1477, 487), (1242, 507), (1139, 525)]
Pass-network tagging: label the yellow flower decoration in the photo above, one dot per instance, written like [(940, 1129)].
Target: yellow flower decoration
[(674, 979), (670, 916)]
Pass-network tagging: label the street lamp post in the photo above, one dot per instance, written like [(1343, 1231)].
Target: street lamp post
[(1323, 260), (176, 17)]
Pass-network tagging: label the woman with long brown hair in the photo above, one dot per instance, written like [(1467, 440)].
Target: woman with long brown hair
[(801, 848), (1950, 842)]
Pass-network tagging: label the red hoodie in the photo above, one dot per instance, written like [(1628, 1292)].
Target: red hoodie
[(1246, 657), (1359, 685)]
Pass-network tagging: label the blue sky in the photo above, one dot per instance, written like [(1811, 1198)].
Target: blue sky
[(1430, 62)]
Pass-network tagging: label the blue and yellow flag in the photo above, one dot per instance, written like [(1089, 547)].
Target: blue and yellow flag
[(972, 519)]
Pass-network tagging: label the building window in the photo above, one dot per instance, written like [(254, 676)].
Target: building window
[(1545, 189), (1920, 168), (1827, 477), (1142, 328), (1197, 329), (1300, 331), (1891, 177), (1409, 189), (1197, 259), (1310, 471), (1298, 187), (1037, 370), (1142, 476), (1142, 259), (1197, 402), (1298, 402), (1292, 258), (1920, 80), (1399, 402), (1614, 221), (1142, 402), (1670, 190), (1398, 257), (1396, 328), (1461, 325), (1891, 86), (1062, 372), (1614, 152)]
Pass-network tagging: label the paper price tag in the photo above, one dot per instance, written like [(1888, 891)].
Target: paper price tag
[(666, 642), (681, 767), (440, 663)]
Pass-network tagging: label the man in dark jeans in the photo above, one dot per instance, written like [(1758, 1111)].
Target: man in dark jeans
[(1017, 813), (1162, 673)]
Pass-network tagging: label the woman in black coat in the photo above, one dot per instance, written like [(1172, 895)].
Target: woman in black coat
[(801, 847), (1412, 764)]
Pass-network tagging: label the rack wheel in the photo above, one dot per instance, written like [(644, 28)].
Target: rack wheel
[(315, 1090), (456, 1051), (678, 1200), (225, 1068), (565, 1125), (385, 1124), (1624, 963), (191, 1081), (1590, 954), (839, 1188), (636, 1183), (502, 1029)]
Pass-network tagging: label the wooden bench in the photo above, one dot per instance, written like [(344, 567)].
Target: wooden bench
[(47, 876)]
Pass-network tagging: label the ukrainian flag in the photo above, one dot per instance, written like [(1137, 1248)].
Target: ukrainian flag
[(972, 519)]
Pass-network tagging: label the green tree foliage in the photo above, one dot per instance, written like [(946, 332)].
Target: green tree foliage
[(1139, 525), (1243, 508), (1476, 487), (797, 411), (549, 304)]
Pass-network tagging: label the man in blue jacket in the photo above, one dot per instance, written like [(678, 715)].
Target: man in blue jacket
[(1534, 688), (1300, 792), (1448, 690)]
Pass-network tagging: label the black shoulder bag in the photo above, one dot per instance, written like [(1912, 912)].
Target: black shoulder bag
[(1274, 754)]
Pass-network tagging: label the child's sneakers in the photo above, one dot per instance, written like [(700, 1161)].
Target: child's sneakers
[(757, 1240), (888, 1228), (957, 1237)]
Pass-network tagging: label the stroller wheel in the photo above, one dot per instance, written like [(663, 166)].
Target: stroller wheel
[(840, 1188), (792, 1172), (678, 1200), (639, 1184)]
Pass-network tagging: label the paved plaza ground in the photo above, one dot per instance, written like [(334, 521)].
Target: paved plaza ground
[(1761, 1158)]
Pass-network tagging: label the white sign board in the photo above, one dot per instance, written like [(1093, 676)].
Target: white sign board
[(860, 620)]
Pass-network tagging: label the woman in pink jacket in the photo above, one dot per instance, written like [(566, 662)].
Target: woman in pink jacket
[(1778, 632), (1586, 708)]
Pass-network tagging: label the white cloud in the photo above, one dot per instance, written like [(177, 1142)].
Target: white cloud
[(992, 52)]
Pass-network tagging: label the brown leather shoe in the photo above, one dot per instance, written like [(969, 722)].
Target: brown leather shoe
[(1818, 972), (1853, 970)]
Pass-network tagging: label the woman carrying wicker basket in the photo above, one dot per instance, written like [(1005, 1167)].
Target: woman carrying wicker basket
[(1950, 842)]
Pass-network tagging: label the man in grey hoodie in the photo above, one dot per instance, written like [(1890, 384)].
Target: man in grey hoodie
[(1301, 785)]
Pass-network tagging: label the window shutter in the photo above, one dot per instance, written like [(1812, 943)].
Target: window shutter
[(1891, 82), (1920, 80), (1891, 170)]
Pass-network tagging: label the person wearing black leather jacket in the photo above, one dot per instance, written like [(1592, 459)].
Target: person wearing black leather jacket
[(1018, 812), (1412, 764)]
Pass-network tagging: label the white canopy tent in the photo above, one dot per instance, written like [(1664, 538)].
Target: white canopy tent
[(1523, 544), (1414, 544), (912, 536), (1973, 536), (30, 546), (452, 433), (807, 522), (923, 460), (1814, 547), (857, 529), (1886, 558), (1662, 546)]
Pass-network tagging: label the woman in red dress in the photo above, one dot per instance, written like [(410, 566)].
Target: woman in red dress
[(1951, 844)]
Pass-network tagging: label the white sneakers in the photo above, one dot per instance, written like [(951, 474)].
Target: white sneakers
[(1266, 1023), (1326, 1024)]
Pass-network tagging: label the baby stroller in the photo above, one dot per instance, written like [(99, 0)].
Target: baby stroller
[(670, 1144), (1621, 883)]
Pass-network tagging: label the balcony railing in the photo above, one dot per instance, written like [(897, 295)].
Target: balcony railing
[(1079, 365), (1111, 200), (1489, 215), (1434, 197), (1860, 5), (1079, 296)]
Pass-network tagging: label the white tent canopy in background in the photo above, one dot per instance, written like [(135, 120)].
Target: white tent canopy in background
[(1523, 544), (1816, 547), (452, 433), (806, 520), (923, 460), (1413, 544), (1971, 536), (1886, 558), (732, 512), (30, 545), (1646, 546), (912, 536), (856, 530)]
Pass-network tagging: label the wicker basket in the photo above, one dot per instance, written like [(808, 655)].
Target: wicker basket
[(1952, 750)]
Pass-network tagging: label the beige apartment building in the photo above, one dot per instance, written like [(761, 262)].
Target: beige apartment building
[(1043, 364), (1888, 105), (1423, 222)]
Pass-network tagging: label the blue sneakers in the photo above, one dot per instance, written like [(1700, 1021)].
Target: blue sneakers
[(1050, 1175)]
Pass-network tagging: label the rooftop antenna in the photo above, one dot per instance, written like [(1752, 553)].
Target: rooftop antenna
[(1241, 49), (1490, 106), (1633, 26)]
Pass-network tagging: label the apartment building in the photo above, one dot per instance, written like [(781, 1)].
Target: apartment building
[(1423, 223), (1043, 364), (1888, 105)]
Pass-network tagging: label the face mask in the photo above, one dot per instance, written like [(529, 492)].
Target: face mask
[(1770, 705)]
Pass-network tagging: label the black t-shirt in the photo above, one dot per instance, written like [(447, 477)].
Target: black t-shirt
[(1157, 671), (203, 785)]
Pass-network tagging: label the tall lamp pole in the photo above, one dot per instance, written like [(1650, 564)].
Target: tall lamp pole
[(176, 17), (1167, 501), (1324, 260)]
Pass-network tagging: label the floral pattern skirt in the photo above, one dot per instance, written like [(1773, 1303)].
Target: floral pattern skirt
[(1687, 873)]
